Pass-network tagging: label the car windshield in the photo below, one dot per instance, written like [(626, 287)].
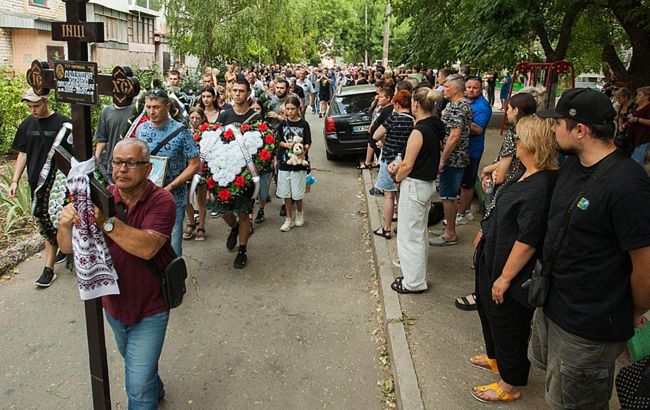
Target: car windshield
[(356, 103)]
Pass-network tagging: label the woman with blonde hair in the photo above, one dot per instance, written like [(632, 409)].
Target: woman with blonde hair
[(416, 175), (512, 240)]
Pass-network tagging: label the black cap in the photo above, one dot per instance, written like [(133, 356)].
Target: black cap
[(583, 105)]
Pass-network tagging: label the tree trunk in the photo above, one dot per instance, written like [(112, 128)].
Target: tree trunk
[(384, 56)]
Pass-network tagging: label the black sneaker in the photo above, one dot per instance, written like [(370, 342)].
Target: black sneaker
[(231, 242), (260, 217), (240, 260), (283, 212), (376, 192), (60, 257), (47, 277)]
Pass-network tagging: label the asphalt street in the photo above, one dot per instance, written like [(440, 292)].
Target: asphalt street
[(299, 328)]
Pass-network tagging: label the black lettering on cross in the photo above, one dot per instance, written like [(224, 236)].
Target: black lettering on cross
[(123, 87)]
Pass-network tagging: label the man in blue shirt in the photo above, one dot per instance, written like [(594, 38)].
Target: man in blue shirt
[(181, 151), (481, 114)]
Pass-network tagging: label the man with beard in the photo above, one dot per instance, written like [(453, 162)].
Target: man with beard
[(240, 113), (599, 284), (481, 113), (275, 114)]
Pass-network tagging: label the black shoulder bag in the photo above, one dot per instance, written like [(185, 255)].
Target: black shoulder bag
[(172, 277), (167, 139), (539, 281)]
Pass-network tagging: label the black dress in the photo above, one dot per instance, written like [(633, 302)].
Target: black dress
[(520, 214)]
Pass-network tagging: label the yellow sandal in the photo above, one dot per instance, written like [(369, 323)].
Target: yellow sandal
[(501, 394), (492, 363)]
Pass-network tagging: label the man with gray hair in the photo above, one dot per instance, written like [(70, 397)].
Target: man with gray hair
[(137, 315), (457, 118), (181, 151)]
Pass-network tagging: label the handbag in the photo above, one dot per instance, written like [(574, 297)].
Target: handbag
[(539, 280), (639, 344), (173, 280), (159, 172)]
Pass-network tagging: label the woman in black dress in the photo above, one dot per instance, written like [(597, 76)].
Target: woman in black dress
[(512, 240), (324, 94)]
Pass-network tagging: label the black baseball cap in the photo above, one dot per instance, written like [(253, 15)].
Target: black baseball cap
[(583, 105)]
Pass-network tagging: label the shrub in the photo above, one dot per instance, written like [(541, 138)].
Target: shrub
[(12, 110)]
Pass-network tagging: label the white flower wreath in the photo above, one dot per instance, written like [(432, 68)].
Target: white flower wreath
[(226, 159)]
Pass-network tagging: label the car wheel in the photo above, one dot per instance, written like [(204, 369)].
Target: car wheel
[(330, 156)]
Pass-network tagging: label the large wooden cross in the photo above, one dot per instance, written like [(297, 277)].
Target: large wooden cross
[(77, 81)]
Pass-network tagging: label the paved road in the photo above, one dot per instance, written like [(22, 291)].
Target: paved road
[(294, 330)]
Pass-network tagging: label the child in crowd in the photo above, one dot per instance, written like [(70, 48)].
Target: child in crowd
[(292, 179)]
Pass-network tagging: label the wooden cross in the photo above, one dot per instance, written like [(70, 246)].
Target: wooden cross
[(76, 81)]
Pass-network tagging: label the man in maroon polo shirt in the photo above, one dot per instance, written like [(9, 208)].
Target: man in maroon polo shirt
[(137, 315)]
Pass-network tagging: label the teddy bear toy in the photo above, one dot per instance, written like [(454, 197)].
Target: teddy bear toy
[(297, 153)]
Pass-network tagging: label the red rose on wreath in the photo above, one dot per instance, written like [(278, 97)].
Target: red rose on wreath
[(263, 127), (197, 137), (224, 195), (211, 183), (204, 168), (204, 127), (265, 155), (240, 181), (269, 139), (244, 128), (228, 135)]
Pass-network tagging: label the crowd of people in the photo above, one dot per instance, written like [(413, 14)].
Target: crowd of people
[(427, 135)]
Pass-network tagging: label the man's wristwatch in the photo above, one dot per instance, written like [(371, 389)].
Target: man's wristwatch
[(109, 225)]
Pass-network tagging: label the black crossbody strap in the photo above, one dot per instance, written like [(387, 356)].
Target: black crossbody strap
[(564, 224), (167, 139)]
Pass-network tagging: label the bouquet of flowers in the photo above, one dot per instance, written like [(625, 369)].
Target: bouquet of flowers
[(224, 151)]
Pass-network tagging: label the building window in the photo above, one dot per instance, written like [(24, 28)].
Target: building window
[(42, 3), (140, 30), (114, 23)]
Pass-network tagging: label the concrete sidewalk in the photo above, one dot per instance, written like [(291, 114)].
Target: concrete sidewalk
[(440, 337)]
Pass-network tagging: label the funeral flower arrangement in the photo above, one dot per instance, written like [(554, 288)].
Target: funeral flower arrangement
[(223, 152)]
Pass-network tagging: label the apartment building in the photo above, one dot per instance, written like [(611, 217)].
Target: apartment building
[(133, 33)]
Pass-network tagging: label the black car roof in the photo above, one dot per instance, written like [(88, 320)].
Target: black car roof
[(356, 89)]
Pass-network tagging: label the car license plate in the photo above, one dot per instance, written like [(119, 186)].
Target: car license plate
[(360, 128)]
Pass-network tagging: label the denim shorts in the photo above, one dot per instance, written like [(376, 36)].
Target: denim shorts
[(469, 175), (384, 180), (450, 180), (579, 372)]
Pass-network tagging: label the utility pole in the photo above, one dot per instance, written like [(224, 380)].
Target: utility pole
[(384, 57), (365, 59)]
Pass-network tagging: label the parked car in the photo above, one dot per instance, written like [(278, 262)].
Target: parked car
[(347, 121)]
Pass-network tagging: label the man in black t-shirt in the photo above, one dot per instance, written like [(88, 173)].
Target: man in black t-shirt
[(600, 281), (240, 113), (33, 140)]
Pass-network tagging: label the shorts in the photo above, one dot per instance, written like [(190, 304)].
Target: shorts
[(450, 180), (384, 180), (265, 182), (291, 184), (469, 176), (579, 372)]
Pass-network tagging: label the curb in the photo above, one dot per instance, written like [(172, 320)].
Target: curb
[(20, 251), (407, 389)]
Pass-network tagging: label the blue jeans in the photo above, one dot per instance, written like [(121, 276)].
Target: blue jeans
[(640, 153), (140, 345), (177, 232)]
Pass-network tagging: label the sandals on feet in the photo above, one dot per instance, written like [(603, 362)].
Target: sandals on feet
[(502, 395), (466, 302), (398, 287), (189, 231), (200, 235), (364, 166), (490, 366), (384, 233)]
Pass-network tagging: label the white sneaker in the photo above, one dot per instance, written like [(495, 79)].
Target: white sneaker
[(469, 215), (286, 226), (461, 220), (300, 218)]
